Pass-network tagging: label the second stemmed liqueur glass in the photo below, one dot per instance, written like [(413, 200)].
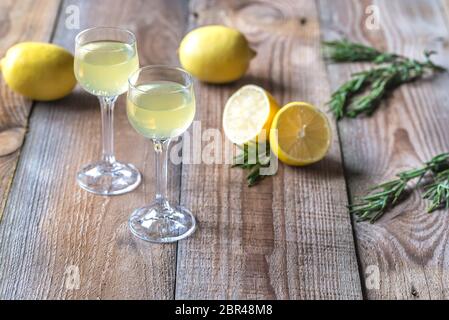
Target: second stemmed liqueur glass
[(161, 106), (104, 60)]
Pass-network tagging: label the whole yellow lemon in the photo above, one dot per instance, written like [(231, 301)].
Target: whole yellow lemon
[(39, 71), (215, 54)]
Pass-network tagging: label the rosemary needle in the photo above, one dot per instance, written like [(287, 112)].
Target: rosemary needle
[(438, 192)]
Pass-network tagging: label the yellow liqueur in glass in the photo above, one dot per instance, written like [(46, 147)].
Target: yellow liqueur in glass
[(160, 109), (103, 67), (161, 106), (104, 60)]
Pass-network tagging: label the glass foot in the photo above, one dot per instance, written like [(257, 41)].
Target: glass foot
[(161, 223), (109, 179)]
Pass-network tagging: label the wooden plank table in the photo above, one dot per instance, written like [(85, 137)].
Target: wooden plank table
[(291, 237)]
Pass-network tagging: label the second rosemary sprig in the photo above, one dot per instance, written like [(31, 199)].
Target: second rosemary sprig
[(386, 195)]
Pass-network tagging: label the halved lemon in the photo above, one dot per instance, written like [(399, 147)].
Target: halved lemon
[(300, 134), (248, 115)]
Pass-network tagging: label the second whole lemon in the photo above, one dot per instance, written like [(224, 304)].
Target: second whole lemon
[(39, 71), (215, 54)]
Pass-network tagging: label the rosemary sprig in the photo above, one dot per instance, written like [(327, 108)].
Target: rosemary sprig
[(386, 195), (346, 51), (253, 158), (364, 92), (383, 197)]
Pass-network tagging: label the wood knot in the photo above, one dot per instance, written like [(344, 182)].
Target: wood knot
[(402, 142), (11, 140)]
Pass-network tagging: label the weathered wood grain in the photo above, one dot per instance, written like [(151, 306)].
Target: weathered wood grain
[(23, 20), (290, 237), (408, 246), (51, 228)]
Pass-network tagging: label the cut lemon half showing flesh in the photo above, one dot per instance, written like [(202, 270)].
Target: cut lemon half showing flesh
[(248, 115), (300, 134)]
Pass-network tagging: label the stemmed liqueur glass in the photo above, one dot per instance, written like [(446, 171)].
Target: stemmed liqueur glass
[(161, 106), (104, 60)]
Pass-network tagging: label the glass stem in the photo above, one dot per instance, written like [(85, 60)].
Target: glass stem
[(107, 125), (161, 161)]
